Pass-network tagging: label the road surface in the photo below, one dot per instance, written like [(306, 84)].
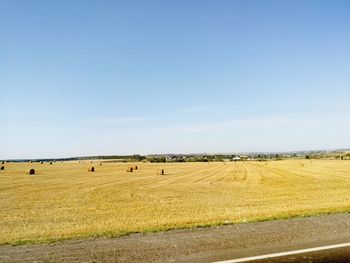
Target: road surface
[(203, 244)]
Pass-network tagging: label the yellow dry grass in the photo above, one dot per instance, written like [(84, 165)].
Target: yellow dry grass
[(64, 200)]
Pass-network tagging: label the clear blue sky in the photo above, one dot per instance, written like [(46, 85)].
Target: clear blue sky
[(125, 77)]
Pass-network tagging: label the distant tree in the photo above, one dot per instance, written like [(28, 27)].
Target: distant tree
[(161, 159)]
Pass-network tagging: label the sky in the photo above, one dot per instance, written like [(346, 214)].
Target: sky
[(82, 78)]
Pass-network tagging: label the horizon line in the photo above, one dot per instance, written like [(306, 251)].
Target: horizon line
[(198, 153)]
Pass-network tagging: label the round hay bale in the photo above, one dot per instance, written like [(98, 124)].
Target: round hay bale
[(92, 169), (3, 162), (41, 162), (100, 164), (31, 171), (130, 169), (161, 171), (2, 168), (50, 162), (135, 167)]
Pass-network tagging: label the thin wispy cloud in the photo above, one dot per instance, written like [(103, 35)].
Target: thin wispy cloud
[(193, 109), (117, 120), (257, 123), (225, 125)]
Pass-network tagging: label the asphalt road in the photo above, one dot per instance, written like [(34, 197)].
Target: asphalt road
[(202, 244), (334, 253), (329, 256)]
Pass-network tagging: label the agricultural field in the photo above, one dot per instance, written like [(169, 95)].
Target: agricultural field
[(64, 200)]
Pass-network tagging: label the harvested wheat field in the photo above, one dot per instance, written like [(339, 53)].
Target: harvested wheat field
[(64, 200)]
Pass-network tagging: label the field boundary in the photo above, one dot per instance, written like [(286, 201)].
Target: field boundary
[(150, 231)]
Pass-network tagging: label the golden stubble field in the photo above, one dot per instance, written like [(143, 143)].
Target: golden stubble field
[(64, 200)]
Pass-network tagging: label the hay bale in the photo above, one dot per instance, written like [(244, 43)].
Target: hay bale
[(100, 164), (31, 171), (41, 162), (161, 171), (130, 169), (92, 169), (3, 162), (50, 162), (135, 167), (2, 168)]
